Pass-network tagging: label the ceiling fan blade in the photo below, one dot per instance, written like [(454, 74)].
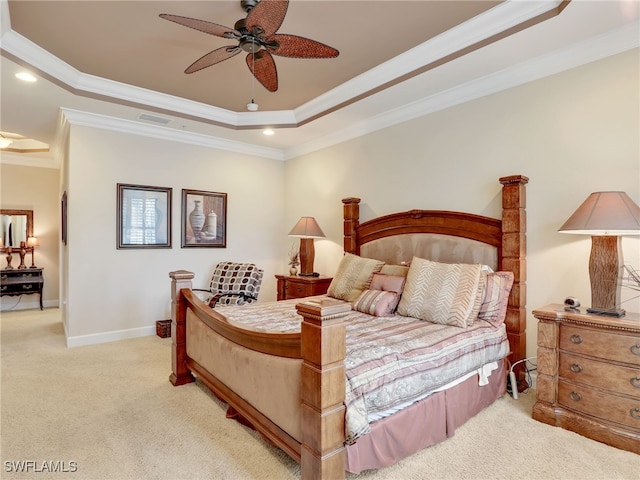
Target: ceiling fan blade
[(300, 47), (201, 25), (213, 57), (268, 15), (263, 68)]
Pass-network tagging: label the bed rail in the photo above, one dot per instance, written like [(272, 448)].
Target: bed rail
[(322, 348)]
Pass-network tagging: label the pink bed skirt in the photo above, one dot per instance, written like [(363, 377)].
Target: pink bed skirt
[(425, 423)]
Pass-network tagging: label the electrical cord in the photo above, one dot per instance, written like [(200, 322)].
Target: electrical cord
[(512, 385), (14, 306)]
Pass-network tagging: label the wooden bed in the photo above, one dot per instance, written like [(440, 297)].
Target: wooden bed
[(305, 372)]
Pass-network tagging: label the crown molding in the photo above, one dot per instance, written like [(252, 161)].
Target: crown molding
[(29, 160), (497, 20), (77, 117), (596, 48), (505, 16)]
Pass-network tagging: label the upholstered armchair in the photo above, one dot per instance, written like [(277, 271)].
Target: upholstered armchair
[(232, 284)]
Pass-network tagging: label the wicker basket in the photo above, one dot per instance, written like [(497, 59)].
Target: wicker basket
[(163, 328)]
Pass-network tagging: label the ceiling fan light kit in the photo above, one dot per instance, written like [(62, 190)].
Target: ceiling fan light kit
[(256, 35)]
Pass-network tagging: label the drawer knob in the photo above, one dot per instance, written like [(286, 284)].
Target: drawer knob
[(635, 381), (576, 368), (635, 349), (4, 287), (27, 287), (575, 396), (635, 413), (576, 339)]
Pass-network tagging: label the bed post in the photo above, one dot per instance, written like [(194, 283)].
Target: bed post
[(323, 350), (513, 258), (351, 215), (180, 373)]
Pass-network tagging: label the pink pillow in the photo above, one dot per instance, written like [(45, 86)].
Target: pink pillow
[(376, 302), (496, 297), (389, 283)]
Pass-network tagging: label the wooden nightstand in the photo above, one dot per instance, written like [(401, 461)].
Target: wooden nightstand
[(297, 287), (589, 375)]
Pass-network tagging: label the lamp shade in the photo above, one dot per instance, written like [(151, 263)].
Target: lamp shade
[(605, 213), (32, 242), (307, 227)]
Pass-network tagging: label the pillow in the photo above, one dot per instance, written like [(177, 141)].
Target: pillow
[(395, 270), (390, 283), (353, 276), (440, 292), (376, 302), (477, 304), (496, 297)]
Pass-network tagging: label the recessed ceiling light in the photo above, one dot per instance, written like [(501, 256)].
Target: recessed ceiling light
[(268, 131), (26, 76)]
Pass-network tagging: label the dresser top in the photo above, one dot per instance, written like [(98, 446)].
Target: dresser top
[(556, 311), (21, 270)]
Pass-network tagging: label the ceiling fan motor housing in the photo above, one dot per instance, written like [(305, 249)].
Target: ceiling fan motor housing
[(247, 5)]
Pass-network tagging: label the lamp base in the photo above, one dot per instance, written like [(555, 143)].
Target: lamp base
[(312, 274), (609, 312)]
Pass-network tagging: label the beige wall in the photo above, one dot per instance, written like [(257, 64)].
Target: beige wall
[(34, 188), (571, 134), (114, 293)]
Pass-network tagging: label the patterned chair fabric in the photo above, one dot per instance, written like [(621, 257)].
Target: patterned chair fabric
[(234, 284)]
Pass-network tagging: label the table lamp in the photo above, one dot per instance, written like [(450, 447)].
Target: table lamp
[(605, 216), (307, 229), (32, 243)]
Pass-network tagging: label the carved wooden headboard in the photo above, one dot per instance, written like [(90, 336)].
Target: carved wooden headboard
[(454, 237)]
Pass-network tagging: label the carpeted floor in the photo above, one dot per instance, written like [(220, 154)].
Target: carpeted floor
[(109, 412)]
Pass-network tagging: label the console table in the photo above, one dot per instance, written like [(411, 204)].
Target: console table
[(21, 282), (589, 375)]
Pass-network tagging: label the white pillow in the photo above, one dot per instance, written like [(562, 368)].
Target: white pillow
[(443, 293)]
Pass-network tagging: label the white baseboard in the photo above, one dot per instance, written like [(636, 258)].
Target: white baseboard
[(96, 338)]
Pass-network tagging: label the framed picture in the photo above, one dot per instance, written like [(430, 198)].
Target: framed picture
[(143, 216), (204, 219), (63, 220)]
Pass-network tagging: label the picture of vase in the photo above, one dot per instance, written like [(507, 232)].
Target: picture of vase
[(196, 219), (211, 227), (204, 219)]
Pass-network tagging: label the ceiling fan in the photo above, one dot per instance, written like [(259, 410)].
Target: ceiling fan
[(256, 35)]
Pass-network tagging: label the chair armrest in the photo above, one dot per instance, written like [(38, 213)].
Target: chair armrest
[(205, 298), (214, 299)]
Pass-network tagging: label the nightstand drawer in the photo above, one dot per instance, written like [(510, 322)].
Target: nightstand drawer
[(606, 345), (596, 403), (616, 378), (299, 290)]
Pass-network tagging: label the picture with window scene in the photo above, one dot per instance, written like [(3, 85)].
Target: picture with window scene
[(144, 216)]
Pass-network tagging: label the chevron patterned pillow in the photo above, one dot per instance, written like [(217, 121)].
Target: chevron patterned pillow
[(353, 276), (440, 292)]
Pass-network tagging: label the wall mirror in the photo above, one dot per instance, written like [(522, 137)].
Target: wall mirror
[(15, 227)]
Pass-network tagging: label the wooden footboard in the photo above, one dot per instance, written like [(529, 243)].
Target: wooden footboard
[(321, 348)]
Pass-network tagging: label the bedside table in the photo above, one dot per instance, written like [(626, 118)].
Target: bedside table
[(298, 287), (589, 375)]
